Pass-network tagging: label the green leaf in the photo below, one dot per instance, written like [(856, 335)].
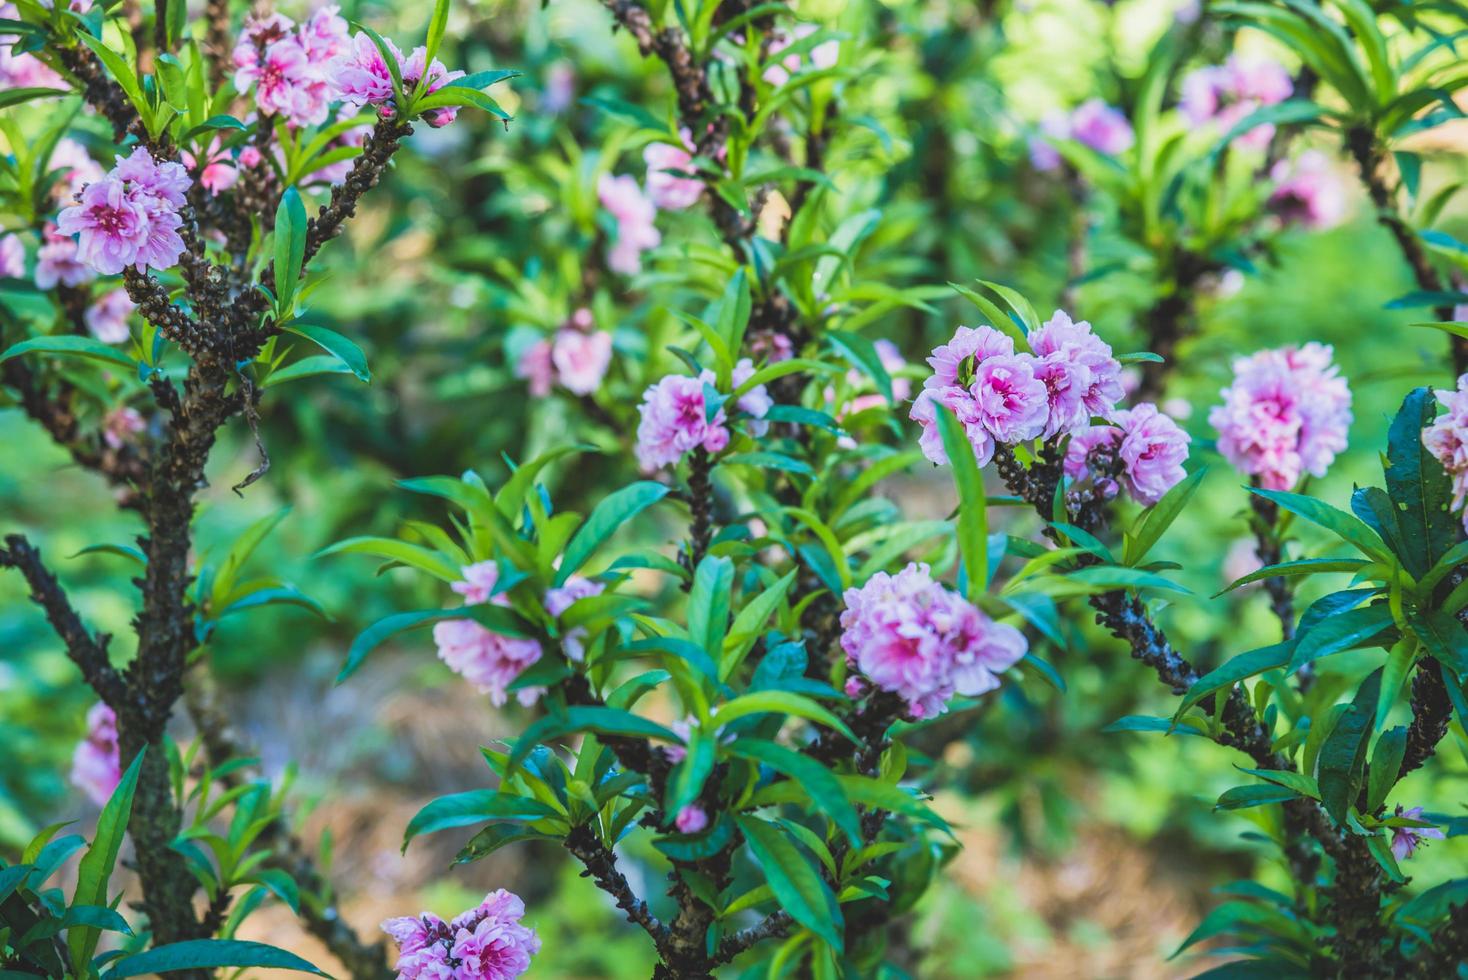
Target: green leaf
[(120, 550), (1236, 669), (1386, 766), (1443, 637), (778, 702), (437, 24), (606, 517), (603, 721), (1255, 794), (1343, 756), (766, 460), (474, 806), (15, 96), (708, 604), (862, 353), (207, 954), (1148, 723), (307, 367), (1159, 517), (123, 73), (749, 625), (973, 521), (70, 345), (511, 497), (1121, 577), (1302, 566), (1017, 302), (1339, 632), (290, 250), (402, 552), (692, 772), (887, 796), (816, 780), (1347, 527), (1418, 486), (798, 887), (374, 635), (334, 344), (997, 318), (95, 868)]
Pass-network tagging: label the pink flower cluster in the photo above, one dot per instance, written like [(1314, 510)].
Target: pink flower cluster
[(1227, 94), (96, 766), (291, 69), (1001, 396), (668, 190), (12, 257), (1141, 451), (558, 600), (485, 943), (362, 77), (1308, 192), (107, 318), (907, 634), (1287, 413), (1447, 440), (635, 214), (77, 167), (130, 216), (1406, 840), (577, 357), (57, 262), (490, 661), (1092, 123), (675, 416), (23, 70), (822, 56), (120, 425)]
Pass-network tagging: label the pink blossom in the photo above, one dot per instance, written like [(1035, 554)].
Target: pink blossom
[(1011, 402), (423, 947), (907, 634), (77, 168), (75, 6), (581, 358), (1286, 413), (954, 363), (491, 944), (23, 70), (1447, 439), (361, 74), (489, 661), (1406, 840), (822, 56), (535, 365), (325, 35), (958, 401), (96, 766), (120, 425), (1101, 127), (217, 172), (756, 402), (1091, 455), (130, 217), (675, 420), (438, 76), (1308, 192), (559, 599), (772, 346), (1152, 452), (57, 262), (1241, 559), (12, 257), (1094, 372), (413, 933), (1225, 95), (560, 88), (692, 819), (669, 191), (635, 214), (289, 84), (107, 318), (1044, 157)]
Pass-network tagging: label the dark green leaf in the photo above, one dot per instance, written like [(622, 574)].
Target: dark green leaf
[(474, 806), (335, 344), (1343, 756), (606, 517), (207, 954), (798, 887)]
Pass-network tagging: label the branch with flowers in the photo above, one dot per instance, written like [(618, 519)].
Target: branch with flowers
[(201, 310)]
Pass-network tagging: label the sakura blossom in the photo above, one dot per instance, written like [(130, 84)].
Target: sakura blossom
[(120, 425), (1287, 413), (692, 819), (96, 765), (822, 56), (107, 317), (490, 661), (635, 215), (907, 634), (1225, 95), (563, 597), (57, 261), (12, 257), (665, 162), (292, 71), (1308, 192), (1406, 840), (1447, 439), (1101, 127), (487, 942), (130, 216)]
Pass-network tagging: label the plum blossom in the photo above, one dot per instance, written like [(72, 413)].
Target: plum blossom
[(1142, 451), (361, 74), (822, 56), (57, 262), (120, 425), (1406, 840), (12, 257), (1101, 127), (215, 167), (635, 215), (669, 191), (490, 661), (413, 69), (1308, 192), (107, 318), (675, 417), (1225, 95), (487, 942), (293, 71), (563, 597), (1447, 439), (692, 819), (907, 634), (96, 766), (1080, 365), (130, 216), (1286, 413)]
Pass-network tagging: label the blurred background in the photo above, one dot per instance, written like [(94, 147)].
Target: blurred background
[(483, 240)]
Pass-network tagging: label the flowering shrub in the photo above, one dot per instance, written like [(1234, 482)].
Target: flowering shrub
[(741, 596)]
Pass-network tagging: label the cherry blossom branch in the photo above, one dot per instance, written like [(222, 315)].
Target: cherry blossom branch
[(88, 652), (601, 867), (1269, 552)]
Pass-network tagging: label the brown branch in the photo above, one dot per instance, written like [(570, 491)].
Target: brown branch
[(1431, 712), (601, 867), (88, 652), (218, 40)]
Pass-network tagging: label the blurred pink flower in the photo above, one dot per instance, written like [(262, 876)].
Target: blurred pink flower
[(1308, 192), (96, 766), (12, 257), (77, 167), (675, 421), (1406, 840), (57, 262), (692, 819), (581, 358), (1447, 440), (636, 228), (1101, 127), (559, 599), (120, 425), (130, 217), (669, 191), (107, 317), (217, 172), (489, 661), (413, 69), (361, 74), (1225, 95), (823, 55), (535, 366)]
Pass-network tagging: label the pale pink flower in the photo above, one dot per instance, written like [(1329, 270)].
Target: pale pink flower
[(423, 946), (1011, 402), (438, 76), (560, 88), (635, 214), (1044, 157), (1286, 413), (581, 358), (217, 171), (1447, 439), (1091, 455), (1101, 127), (1308, 192), (289, 84), (559, 599), (1152, 451), (96, 766), (772, 346), (75, 6), (907, 634), (669, 191), (23, 70), (1225, 95), (130, 217), (120, 425), (958, 401), (1096, 373), (490, 943), (822, 56), (107, 318), (257, 35), (487, 660), (77, 167), (535, 365), (325, 35), (675, 421), (57, 262), (1406, 840), (360, 73), (755, 402), (954, 363), (692, 819), (12, 257)]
